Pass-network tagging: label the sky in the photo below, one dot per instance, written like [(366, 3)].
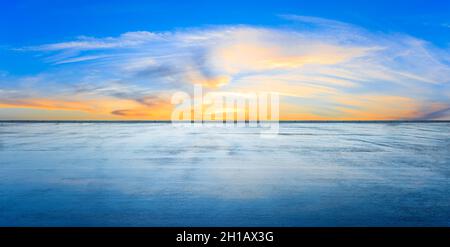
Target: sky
[(123, 60)]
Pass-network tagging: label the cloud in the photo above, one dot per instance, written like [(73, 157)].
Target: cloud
[(126, 40), (437, 112), (322, 68), (317, 21), (48, 104), (79, 59), (155, 106)]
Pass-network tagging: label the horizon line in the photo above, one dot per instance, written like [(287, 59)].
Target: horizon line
[(169, 121)]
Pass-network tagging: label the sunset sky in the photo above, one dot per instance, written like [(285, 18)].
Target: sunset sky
[(123, 60)]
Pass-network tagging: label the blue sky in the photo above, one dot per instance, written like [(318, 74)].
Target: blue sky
[(25, 23), (48, 48)]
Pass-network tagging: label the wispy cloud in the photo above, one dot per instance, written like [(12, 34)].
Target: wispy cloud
[(83, 43), (326, 69)]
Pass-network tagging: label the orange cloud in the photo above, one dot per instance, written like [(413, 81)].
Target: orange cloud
[(103, 108), (377, 107), (209, 82), (249, 54), (46, 104), (345, 107)]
